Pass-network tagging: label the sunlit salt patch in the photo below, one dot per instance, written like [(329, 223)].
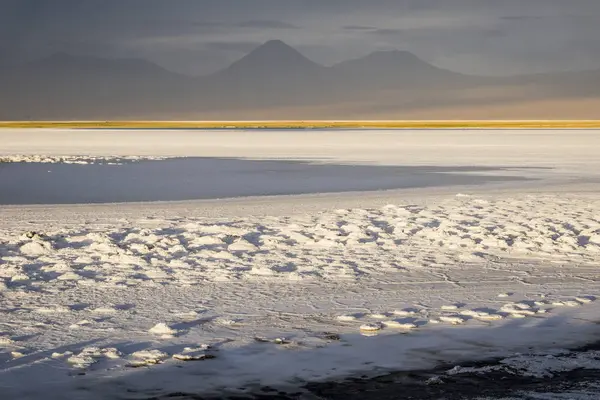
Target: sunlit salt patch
[(518, 310), (80, 324), (454, 320), (566, 303), (226, 321), (471, 313), (187, 314), (111, 353), (157, 274), (19, 277), (69, 276), (6, 341), (77, 160), (379, 315), (104, 310), (404, 313), (52, 310), (572, 303), (451, 307), (91, 355), (242, 245), (163, 330), (399, 325), (584, 300), (263, 271), (36, 248), (194, 354), (61, 355), (490, 317), (147, 357), (517, 315), (346, 318), (481, 315), (193, 357), (373, 327), (509, 307)]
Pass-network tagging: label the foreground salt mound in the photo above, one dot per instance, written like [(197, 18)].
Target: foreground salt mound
[(191, 250), (91, 355), (144, 358), (163, 330)]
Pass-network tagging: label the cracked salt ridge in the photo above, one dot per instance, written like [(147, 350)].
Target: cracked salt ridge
[(83, 160)]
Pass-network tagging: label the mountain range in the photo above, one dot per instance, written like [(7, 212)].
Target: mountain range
[(275, 81)]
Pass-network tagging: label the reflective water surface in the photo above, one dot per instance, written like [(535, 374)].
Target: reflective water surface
[(211, 178)]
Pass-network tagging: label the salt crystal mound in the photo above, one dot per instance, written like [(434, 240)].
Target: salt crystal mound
[(190, 251), (163, 330), (90, 355), (144, 358)]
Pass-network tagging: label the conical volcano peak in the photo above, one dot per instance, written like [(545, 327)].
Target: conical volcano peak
[(270, 57), (276, 44), (276, 49)]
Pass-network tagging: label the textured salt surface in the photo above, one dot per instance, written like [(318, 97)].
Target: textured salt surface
[(147, 301), (88, 297)]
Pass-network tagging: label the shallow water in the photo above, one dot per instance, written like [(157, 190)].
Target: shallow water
[(212, 178)]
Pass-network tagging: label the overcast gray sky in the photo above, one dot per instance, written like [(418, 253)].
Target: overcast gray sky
[(201, 36)]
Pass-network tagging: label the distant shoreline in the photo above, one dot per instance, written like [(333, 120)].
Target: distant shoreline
[(308, 124)]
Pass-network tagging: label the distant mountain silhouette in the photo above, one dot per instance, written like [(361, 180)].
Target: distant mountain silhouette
[(87, 87), (272, 74), (395, 68), (275, 81)]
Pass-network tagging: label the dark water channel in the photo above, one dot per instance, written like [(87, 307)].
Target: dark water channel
[(213, 178)]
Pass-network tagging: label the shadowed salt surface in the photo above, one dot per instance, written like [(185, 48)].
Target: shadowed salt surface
[(212, 178)]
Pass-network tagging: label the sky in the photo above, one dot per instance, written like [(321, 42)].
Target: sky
[(197, 37)]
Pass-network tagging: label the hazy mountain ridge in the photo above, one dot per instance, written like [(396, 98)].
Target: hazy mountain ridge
[(273, 80)]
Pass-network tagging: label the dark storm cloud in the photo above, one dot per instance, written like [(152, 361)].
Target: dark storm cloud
[(386, 32), (358, 28), (265, 24), (200, 36), (242, 47), (521, 17)]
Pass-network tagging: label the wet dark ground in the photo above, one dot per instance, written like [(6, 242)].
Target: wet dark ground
[(435, 384), (465, 386), (214, 178), (414, 385)]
